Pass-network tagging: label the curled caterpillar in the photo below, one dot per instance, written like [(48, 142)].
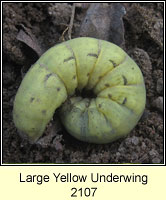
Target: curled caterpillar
[(82, 64)]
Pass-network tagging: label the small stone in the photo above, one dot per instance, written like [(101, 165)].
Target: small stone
[(157, 32), (145, 115), (143, 146), (121, 149), (128, 141), (156, 160), (118, 154), (158, 103), (153, 153), (135, 140), (160, 86), (134, 156), (58, 145)]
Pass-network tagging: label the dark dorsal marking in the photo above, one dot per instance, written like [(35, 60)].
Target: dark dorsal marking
[(93, 55), (100, 77), (124, 101), (109, 96), (47, 76), (43, 112), (107, 85), (99, 105), (70, 58), (32, 99), (114, 64), (74, 77), (124, 79)]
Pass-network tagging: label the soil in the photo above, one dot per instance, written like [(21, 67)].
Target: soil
[(143, 39)]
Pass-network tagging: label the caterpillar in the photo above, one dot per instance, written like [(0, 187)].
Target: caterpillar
[(111, 77)]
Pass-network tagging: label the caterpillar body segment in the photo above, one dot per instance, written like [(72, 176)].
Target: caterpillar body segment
[(39, 95)]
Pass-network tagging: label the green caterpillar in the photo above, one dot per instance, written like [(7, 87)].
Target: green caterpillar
[(87, 64)]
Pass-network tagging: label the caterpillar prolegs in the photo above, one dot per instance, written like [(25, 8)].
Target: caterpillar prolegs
[(81, 64)]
